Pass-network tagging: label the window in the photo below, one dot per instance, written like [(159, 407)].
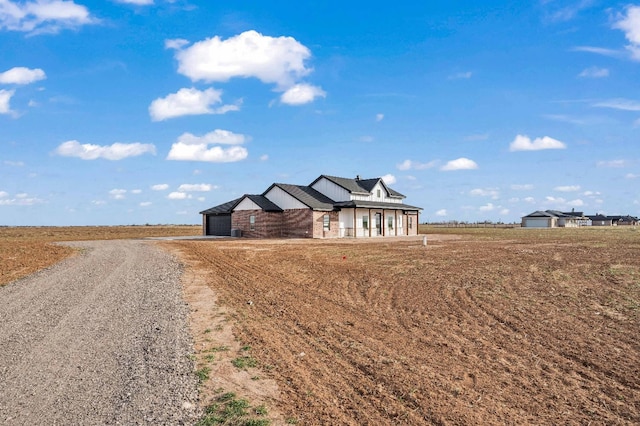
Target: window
[(410, 222), (390, 222), (365, 222), (326, 222), (378, 193), (252, 222)]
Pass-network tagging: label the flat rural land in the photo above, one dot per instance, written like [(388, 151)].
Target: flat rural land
[(480, 326)]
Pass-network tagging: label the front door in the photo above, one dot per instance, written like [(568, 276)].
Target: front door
[(378, 223)]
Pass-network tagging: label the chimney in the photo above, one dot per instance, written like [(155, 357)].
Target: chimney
[(358, 177)]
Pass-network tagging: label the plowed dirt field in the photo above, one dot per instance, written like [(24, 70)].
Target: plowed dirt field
[(489, 327)]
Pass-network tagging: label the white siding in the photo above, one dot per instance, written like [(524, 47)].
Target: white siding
[(247, 204), (383, 195), (345, 219), (331, 190), (283, 200)]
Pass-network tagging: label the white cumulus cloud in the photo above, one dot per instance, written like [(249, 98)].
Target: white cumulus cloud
[(279, 60), (379, 117), (196, 187), (145, 203), (22, 75), (460, 164), (189, 102), (160, 187), (117, 194), (485, 192), (43, 16), (630, 24), (5, 99), (189, 147), (389, 179), (441, 212), (567, 188), (524, 143), (487, 207), (302, 93), (218, 136), (117, 151), (178, 196)]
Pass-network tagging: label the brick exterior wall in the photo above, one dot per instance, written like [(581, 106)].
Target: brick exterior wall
[(297, 223), (267, 224), (318, 225), (414, 224)]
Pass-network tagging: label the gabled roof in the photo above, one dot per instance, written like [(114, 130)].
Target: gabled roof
[(306, 195), (359, 186), (540, 213), (369, 184), (558, 213), (263, 202), (225, 208)]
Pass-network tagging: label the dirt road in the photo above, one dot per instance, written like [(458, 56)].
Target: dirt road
[(100, 338)]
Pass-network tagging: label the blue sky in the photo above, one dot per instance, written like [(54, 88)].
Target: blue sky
[(149, 111)]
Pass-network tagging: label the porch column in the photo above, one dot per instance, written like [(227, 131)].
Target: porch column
[(384, 219), (370, 223), (395, 218), (355, 222)]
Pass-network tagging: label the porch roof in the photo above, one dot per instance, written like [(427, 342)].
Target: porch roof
[(375, 205)]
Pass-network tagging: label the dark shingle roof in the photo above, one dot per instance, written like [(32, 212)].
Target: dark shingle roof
[(540, 213), (228, 207), (264, 203), (306, 195), (222, 208), (359, 186)]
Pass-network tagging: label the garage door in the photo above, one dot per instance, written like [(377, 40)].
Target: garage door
[(219, 225), (536, 223)]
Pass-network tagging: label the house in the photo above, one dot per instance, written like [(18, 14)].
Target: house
[(623, 220), (330, 207), (601, 220), (554, 219)]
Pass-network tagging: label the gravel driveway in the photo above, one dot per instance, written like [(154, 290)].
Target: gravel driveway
[(101, 338)]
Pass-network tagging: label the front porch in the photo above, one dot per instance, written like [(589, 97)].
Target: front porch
[(377, 222)]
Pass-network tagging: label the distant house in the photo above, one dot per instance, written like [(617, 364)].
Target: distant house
[(601, 220), (330, 207), (623, 220), (554, 219), (558, 219)]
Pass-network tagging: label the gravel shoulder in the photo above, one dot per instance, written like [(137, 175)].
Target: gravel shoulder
[(100, 338)]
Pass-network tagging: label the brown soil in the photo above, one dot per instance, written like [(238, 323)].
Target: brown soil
[(25, 250), (494, 327)]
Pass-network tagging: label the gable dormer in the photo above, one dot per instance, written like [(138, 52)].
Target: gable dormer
[(345, 189)]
